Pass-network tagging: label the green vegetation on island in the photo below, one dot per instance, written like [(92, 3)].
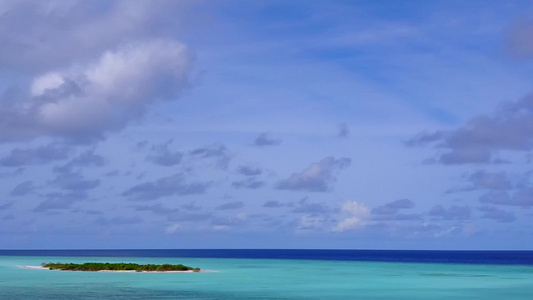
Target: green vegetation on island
[(92, 266)]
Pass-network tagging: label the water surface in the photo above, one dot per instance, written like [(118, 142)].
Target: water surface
[(265, 278)]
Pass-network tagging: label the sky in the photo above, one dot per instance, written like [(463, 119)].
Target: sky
[(266, 124)]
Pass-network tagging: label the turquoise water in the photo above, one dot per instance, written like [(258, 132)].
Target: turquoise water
[(266, 279)]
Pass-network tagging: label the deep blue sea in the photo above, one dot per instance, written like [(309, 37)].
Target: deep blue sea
[(275, 274)]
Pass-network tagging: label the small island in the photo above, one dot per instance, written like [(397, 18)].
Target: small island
[(118, 267)]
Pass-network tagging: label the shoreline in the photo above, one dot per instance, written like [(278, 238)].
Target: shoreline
[(116, 271)]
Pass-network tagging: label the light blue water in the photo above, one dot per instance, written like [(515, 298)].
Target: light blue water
[(266, 279)]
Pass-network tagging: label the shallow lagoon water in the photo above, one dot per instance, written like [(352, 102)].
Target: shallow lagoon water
[(266, 279)]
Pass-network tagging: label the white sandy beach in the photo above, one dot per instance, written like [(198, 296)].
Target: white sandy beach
[(33, 267)]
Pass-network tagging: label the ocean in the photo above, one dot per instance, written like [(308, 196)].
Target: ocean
[(275, 274)]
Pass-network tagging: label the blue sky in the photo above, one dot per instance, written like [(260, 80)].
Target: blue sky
[(266, 124)]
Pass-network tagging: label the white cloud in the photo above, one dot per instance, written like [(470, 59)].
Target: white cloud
[(86, 101), (119, 85), (172, 228), (40, 35), (49, 81), (89, 68), (356, 215)]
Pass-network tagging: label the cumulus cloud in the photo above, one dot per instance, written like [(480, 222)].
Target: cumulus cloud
[(509, 128), (156, 208), (172, 228), (61, 201), (6, 206), (249, 171), (522, 197), (35, 156), (318, 177), (112, 173), (265, 140), (393, 207), (63, 32), (13, 173), (227, 221), (210, 151), (400, 217), (310, 222), (490, 180), (454, 212), (485, 180), (497, 214), (355, 216), (273, 204), (191, 206), (248, 183), (164, 187), (391, 211), (74, 181), (23, 189), (85, 101), (216, 151), (230, 205), (85, 159), (90, 68), (304, 206), (250, 180), (163, 156)]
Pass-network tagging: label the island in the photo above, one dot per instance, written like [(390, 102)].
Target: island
[(118, 267)]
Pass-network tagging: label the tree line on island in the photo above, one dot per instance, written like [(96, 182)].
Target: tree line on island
[(117, 267)]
